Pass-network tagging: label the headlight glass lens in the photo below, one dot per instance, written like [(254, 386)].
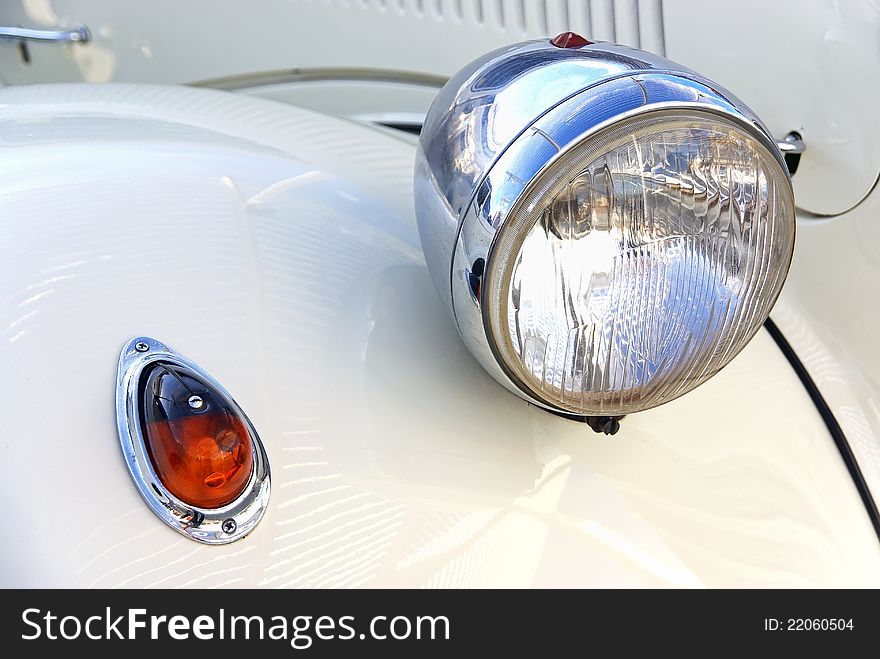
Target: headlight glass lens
[(640, 262)]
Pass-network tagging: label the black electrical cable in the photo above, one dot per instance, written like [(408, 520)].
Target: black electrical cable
[(831, 423)]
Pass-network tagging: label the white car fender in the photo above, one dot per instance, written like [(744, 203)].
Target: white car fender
[(277, 248)]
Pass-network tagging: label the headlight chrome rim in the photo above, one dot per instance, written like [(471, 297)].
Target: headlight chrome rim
[(517, 221)]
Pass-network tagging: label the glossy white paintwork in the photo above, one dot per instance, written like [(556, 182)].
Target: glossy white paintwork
[(809, 67), (812, 67), (828, 312), (278, 249)]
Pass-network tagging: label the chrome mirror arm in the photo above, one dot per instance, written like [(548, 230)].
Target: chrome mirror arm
[(78, 34)]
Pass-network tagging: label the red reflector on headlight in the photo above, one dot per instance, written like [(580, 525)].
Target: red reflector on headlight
[(570, 40)]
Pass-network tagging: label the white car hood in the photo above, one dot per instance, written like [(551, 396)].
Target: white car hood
[(277, 248)]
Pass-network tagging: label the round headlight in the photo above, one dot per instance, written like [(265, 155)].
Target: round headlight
[(608, 228)]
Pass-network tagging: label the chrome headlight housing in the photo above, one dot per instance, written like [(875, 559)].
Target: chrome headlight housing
[(608, 228)]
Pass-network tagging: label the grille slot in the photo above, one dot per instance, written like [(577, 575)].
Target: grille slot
[(636, 23)]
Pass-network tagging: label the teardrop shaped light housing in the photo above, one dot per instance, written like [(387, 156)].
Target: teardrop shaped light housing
[(193, 453)]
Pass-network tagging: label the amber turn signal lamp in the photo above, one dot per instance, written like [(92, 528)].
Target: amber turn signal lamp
[(199, 446), (193, 454)]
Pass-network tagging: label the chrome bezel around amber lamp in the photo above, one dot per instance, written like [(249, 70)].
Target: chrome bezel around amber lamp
[(213, 526)]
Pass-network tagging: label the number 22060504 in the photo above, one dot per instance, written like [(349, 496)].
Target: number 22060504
[(808, 624)]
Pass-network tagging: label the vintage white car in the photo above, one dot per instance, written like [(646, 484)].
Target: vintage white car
[(256, 332)]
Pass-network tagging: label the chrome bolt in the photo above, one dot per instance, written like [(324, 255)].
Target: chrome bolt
[(140, 346), (229, 526), (196, 402)]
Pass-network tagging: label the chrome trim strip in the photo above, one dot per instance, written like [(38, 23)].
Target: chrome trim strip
[(286, 76)]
